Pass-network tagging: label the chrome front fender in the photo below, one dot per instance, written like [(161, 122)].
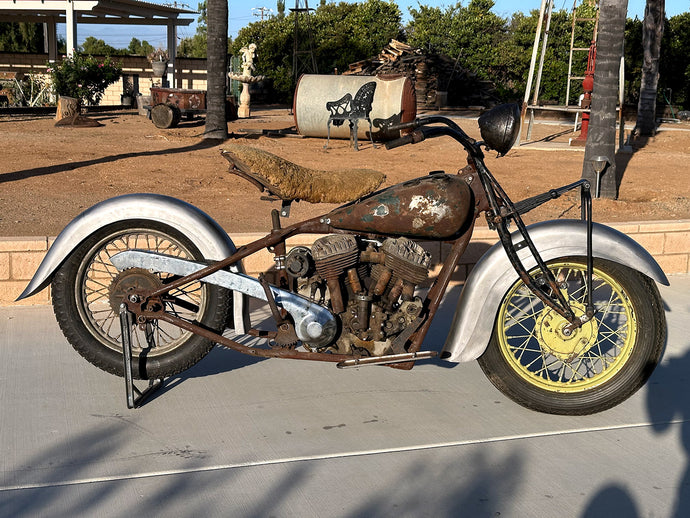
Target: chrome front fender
[(206, 234), (493, 276)]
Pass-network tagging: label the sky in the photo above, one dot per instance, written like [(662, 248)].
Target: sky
[(245, 11)]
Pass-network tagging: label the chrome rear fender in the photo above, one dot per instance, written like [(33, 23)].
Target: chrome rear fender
[(493, 276), (206, 234)]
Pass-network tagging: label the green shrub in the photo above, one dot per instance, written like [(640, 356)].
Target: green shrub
[(84, 77)]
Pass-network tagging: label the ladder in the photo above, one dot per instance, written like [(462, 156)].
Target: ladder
[(573, 48), (543, 25)]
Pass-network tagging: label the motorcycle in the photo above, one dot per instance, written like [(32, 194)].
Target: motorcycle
[(563, 316)]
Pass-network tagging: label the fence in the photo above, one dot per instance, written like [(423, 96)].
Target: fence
[(667, 241), (136, 71)]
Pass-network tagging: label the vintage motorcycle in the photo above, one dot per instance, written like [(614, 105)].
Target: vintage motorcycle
[(563, 316)]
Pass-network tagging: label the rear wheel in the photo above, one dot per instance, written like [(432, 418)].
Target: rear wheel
[(534, 360), (88, 289), (165, 116)]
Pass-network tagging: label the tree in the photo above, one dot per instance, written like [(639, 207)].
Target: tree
[(139, 48), (21, 37), (342, 33), (217, 65), (601, 137), (96, 47), (195, 47), (652, 32), (675, 59)]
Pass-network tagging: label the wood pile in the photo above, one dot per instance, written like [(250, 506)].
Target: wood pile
[(430, 73)]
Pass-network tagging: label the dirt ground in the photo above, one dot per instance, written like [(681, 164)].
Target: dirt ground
[(50, 174)]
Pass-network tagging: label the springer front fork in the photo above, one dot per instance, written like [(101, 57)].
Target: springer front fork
[(543, 284)]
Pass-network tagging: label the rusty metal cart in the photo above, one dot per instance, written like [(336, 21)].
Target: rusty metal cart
[(168, 105)]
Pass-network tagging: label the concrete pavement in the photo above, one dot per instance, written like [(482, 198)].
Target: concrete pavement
[(236, 436)]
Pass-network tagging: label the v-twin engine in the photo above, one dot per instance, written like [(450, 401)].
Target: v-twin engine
[(369, 285)]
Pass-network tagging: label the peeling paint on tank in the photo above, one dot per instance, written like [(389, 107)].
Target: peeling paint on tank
[(381, 210), (391, 201), (429, 207)]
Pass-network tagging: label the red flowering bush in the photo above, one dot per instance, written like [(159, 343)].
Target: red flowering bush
[(84, 77)]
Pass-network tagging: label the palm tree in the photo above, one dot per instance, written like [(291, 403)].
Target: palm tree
[(601, 137), (652, 31), (217, 63)]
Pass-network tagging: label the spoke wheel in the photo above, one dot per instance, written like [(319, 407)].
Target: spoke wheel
[(88, 290), (536, 359)]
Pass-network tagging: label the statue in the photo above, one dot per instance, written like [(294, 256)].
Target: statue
[(248, 54)]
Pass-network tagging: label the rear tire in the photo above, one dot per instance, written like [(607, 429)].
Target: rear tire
[(87, 290), (596, 367), (165, 116)]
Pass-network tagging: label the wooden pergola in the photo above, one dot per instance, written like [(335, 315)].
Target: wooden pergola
[(106, 12)]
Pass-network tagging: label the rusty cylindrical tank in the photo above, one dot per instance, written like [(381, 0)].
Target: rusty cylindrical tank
[(394, 98), (433, 207)]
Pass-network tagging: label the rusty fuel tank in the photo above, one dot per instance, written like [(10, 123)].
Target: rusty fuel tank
[(433, 207)]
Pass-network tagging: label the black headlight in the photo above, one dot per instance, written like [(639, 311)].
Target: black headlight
[(499, 127)]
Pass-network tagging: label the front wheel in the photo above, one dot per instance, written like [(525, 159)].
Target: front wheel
[(87, 292), (535, 361)]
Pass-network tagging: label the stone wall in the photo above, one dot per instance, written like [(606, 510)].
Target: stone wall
[(667, 241)]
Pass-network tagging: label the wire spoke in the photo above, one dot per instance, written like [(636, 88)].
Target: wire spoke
[(547, 356), (187, 302)]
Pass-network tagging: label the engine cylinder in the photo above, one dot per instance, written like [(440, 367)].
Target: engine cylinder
[(332, 256)]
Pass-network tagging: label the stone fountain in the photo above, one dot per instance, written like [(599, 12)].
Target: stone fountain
[(248, 53)]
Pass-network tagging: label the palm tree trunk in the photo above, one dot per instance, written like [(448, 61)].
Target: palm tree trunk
[(652, 31), (601, 137), (217, 63)]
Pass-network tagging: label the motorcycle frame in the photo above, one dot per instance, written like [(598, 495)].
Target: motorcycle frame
[(489, 198)]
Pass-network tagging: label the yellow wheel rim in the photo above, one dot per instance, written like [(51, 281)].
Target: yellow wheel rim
[(534, 341)]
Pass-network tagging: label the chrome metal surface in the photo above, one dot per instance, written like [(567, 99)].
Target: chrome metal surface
[(314, 324), (211, 240), (493, 275), (390, 358)]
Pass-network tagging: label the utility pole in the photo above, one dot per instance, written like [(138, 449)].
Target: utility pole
[(261, 12)]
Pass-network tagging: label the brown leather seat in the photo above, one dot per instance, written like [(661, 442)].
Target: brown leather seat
[(289, 181)]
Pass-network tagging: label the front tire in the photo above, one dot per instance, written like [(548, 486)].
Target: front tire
[(535, 363), (88, 289)]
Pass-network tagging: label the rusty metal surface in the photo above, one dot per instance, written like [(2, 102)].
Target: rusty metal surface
[(394, 102), (433, 207), (277, 352), (436, 292), (184, 99)]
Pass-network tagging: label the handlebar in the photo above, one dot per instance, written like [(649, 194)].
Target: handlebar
[(422, 131), (412, 138)]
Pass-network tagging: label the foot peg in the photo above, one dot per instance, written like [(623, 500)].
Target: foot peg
[(388, 359)]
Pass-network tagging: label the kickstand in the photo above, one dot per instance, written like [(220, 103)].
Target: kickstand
[(154, 384)]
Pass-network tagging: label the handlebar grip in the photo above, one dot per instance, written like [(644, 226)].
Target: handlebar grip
[(404, 125), (412, 138), (402, 141)]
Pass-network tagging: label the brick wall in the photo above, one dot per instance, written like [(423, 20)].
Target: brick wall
[(191, 72), (667, 241)]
